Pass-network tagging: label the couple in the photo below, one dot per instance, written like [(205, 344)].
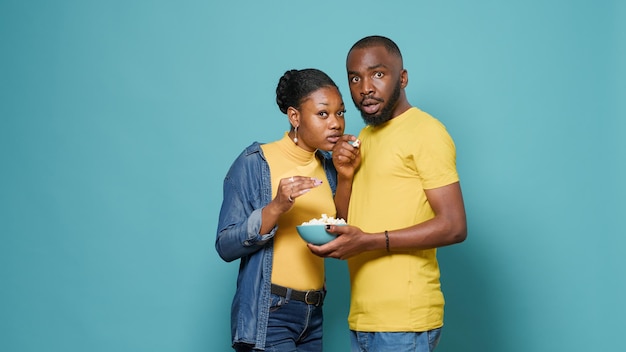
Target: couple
[(399, 192)]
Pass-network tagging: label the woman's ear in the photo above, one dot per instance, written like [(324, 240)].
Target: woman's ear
[(294, 116)]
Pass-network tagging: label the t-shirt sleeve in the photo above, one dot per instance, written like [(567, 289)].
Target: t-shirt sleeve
[(436, 156)]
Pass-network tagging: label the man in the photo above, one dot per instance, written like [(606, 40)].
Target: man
[(406, 201)]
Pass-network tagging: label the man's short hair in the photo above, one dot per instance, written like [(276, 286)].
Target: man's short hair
[(378, 40)]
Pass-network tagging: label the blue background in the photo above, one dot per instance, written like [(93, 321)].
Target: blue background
[(119, 120)]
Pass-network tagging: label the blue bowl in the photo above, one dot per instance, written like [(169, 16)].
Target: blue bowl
[(316, 234)]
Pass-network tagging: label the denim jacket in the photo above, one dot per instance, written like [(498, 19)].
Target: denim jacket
[(247, 189)]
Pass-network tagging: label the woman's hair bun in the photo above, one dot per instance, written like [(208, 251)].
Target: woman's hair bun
[(295, 85)]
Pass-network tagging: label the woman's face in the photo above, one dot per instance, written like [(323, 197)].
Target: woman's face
[(320, 119)]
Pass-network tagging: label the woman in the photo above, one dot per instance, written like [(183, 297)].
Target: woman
[(268, 191)]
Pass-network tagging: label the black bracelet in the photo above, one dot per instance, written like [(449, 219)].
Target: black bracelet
[(387, 240)]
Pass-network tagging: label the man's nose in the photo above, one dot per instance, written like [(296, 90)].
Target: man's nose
[(367, 87)]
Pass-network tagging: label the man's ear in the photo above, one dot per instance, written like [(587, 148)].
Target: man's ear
[(404, 78)]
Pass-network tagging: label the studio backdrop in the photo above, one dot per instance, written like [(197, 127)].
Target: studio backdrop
[(119, 120)]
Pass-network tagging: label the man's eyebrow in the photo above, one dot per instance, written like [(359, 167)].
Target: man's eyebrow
[(376, 66)]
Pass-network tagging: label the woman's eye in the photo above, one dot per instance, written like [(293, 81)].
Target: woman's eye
[(323, 114)]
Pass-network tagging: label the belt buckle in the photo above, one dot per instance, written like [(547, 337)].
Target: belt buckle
[(317, 294)]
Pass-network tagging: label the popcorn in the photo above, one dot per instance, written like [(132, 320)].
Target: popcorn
[(325, 220), (356, 143)]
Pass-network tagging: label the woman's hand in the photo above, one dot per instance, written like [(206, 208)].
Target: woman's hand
[(289, 190)]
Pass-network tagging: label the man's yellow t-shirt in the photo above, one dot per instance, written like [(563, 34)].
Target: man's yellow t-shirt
[(398, 291)]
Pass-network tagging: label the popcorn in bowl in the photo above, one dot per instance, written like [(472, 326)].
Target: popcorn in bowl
[(325, 220)]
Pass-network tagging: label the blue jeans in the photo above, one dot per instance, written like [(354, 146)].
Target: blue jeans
[(293, 326), (395, 341)]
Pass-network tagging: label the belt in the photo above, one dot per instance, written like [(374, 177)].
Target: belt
[(313, 297)]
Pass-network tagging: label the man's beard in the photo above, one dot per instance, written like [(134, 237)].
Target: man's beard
[(386, 113)]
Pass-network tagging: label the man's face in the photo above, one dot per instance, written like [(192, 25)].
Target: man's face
[(374, 77)]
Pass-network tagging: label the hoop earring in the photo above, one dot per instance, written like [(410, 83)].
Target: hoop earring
[(295, 139)]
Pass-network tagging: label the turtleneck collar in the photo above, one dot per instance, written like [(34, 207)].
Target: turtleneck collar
[(293, 151)]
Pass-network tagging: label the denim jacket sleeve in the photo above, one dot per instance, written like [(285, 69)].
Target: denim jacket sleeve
[(247, 189)]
